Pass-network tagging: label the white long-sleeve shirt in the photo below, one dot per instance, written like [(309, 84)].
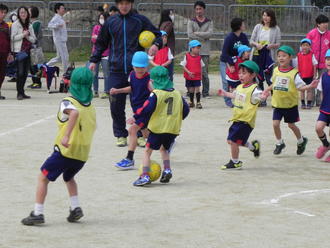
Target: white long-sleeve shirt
[(58, 25)]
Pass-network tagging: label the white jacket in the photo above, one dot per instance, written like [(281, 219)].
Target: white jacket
[(58, 25), (16, 36)]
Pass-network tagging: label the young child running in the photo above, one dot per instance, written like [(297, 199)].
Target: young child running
[(76, 121), (307, 64), (247, 97), (324, 116), (285, 85), (166, 109), (232, 76), (163, 56), (139, 89), (192, 65)]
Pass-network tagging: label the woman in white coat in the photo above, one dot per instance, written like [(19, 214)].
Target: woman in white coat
[(22, 38)]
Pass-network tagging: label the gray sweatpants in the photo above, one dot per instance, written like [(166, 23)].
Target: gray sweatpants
[(62, 55)]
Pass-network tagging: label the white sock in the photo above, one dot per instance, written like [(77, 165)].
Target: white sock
[(235, 160), (250, 146), (74, 202), (301, 140), (38, 209), (279, 141)]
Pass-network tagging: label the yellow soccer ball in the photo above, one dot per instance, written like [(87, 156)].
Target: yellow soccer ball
[(146, 38), (155, 170)]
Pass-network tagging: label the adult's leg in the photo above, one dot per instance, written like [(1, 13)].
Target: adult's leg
[(205, 76), (171, 70), (224, 82), (106, 73)]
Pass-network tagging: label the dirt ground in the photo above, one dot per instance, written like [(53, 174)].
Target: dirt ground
[(274, 201)]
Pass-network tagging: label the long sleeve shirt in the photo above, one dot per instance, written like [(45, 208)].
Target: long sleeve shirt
[(230, 45), (58, 25)]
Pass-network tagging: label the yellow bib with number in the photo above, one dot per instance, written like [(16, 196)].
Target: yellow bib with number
[(82, 133), (167, 117)]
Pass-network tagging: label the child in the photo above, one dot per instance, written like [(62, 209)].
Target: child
[(5, 45), (139, 89), (247, 97), (232, 76), (165, 109), (192, 66), (76, 121), (307, 64), (285, 85), (324, 116), (164, 55)]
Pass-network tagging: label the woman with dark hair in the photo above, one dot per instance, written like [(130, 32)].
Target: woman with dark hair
[(232, 41), (22, 38), (166, 24), (37, 28), (104, 60), (265, 38)]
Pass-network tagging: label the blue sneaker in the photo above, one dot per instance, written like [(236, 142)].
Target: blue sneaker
[(142, 180), (166, 176), (125, 164)]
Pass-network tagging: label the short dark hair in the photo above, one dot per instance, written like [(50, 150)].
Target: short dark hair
[(200, 3), (236, 24), (100, 9), (321, 19), (34, 12), (3, 7), (58, 6), (113, 8), (272, 16)]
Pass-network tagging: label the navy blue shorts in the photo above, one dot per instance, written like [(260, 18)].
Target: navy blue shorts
[(56, 164), (140, 120), (308, 80), (233, 84), (239, 132), (155, 141), (291, 115), (193, 83), (324, 117)]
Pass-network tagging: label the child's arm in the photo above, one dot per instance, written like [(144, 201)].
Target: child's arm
[(189, 72), (114, 91), (167, 63), (73, 116), (315, 63), (301, 86), (146, 110), (150, 86), (226, 94), (151, 61)]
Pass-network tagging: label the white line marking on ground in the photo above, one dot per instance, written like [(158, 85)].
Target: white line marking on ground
[(27, 126), (38, 106), (276, 201)]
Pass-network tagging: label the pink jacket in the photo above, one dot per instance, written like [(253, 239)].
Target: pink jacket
[(96, 31), (320, 45)]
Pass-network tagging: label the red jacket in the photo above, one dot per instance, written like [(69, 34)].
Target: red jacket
[(305, 65), (4, 38), (161, 56), (194, 65), (234, 75)]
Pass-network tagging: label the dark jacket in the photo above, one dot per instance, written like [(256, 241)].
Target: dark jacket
[(120, 33), (230, 45)]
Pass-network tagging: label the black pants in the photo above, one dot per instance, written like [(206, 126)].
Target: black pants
[(34, 70), (23, 68)]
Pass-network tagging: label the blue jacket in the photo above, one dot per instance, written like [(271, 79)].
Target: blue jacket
[(120, 33)]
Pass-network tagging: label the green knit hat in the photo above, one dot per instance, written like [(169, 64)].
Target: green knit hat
[(287, 49), (81, 84), (251, 65), (161, 80)]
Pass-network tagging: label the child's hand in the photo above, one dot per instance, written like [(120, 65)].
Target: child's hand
[(231, 68), (65, 141), (265, 94), (130, 121), (314, 83), (191, 74), (221, 92), (113, 91)]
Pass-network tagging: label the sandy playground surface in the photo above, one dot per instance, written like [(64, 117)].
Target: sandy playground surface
[(274, 201)]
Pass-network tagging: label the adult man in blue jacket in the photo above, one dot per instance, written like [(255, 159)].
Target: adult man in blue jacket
[(120, 33)]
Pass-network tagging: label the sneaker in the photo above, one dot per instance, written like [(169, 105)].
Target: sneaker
[(36, 86), (256, 151), (142, 180), (301, 147), (26, 96), (321, 151), (263, 104), (279, 148), (2, 97), (96, 94), (232, 165), (12, 80), (191, 105), (199, 105), (33, 219), (141, 142), (327, 159), (75, 214), (104, 95), (125, 164), (166, 176), (121, 141)]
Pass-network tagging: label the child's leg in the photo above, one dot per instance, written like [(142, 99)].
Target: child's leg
[(191, 91), (146, 160), (277, 130), (302, 97), (310, 95), (132, 140), (295, 130), (198, 94), (41, 194), (165, 157), (319, 128), (145, 133), (234, 149), (73, 193)]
